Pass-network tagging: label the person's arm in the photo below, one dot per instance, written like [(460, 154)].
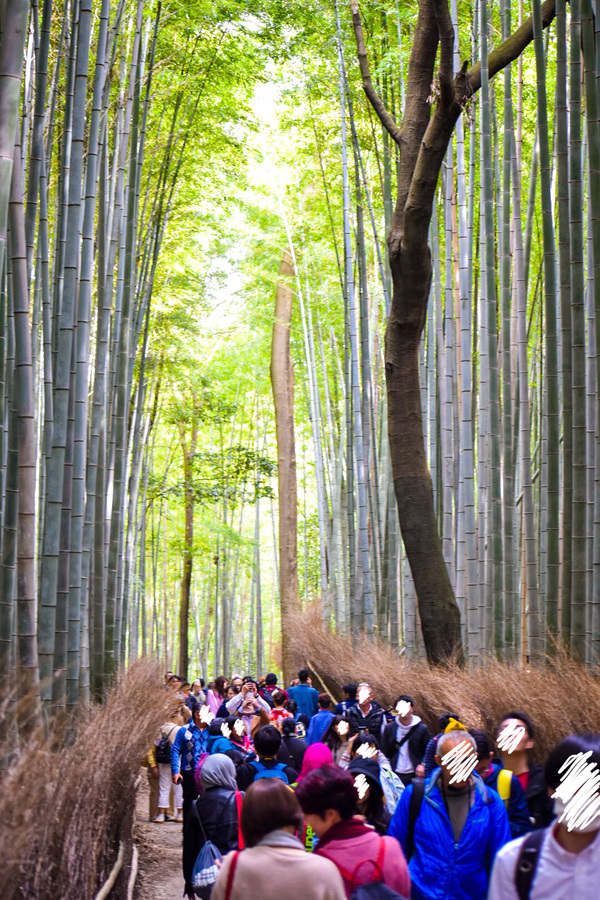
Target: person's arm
[(518, 812), (220, 886), (234, 704), (176, 751), (152, 757), (502, 882), (499, 833), (398, 827)]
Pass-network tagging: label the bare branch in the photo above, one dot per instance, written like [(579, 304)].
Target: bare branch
[(387, 120)]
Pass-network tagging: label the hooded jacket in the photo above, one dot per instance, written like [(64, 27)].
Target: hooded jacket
[(440, 868), (213, 816)]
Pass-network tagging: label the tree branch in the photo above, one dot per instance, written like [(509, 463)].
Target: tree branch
[(446, 33), (512, 47), (387, 120)]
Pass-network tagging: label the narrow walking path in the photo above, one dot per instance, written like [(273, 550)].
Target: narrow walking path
[(160, 876)]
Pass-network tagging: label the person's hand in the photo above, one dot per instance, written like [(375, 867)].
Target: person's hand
[(351, 741), (247, 687), (155, 771), (177, 779), (420, 771)]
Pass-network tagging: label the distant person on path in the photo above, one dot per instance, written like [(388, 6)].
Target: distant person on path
[(429, 760), (405, 740), (367, 714), (504, 782), (213, 816), (348, 701), (246, 704), (267, 742), (275, 866), (269, 689), (279, 712), (516, 737), (306, 697), (190, 743), (452, 830), (329, 800), (321, 721), (293, 747), (561, 862), (162, 754), (216, 695)]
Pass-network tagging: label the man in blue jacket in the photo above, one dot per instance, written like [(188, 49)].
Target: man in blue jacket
[(321, 722), (305, 696), (458, 827)]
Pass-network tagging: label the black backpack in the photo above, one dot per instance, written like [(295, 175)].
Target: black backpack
[(163, 748), (527, 862)]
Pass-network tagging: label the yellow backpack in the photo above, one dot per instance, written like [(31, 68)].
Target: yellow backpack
[(503, 785)]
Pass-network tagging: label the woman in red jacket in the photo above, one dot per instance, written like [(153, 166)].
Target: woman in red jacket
[(329, 800)]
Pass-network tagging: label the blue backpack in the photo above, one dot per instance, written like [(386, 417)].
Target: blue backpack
[(276, 771)]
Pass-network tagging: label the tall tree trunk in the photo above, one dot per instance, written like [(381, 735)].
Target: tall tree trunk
[(282, 381)]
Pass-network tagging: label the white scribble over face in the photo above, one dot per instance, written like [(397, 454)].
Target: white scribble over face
[(460, 761), (239, 727), (206, 715), (362, 786), (578, 793), (511, 737), (403, 708), (225, 730), (366, 751), (342, 728), (364, 693)]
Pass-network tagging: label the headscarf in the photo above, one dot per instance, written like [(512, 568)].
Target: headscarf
[(218, 771), (316, 755)]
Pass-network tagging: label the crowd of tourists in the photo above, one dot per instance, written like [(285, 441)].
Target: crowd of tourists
[(285, 794)]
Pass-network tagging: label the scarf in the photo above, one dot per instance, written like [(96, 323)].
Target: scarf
[(343, 831), (316, 756), (218, 771), (278, 838)]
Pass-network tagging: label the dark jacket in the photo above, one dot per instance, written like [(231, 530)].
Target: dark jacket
[(292, 751), (541, 807), (371, 722), (417, 743), (216, 809), (518, 814), (246, 773), (429, 759)]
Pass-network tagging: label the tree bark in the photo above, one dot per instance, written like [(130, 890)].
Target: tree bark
[(282, 381), (423, 140), (188, 450)]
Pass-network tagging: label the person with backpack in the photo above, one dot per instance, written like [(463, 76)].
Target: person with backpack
[(404, 740), (306, 697), (188, 747), (450, 826), (162, 755), (267, 742), (316, 756), (562, 861), (274, 864), (504, 782), (348, 701), (366, 746), (214, 816), (329, 799), (293, 747), (321, 721), (515, 741)]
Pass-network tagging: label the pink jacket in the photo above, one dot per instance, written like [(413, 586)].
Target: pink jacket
[(356, 859)]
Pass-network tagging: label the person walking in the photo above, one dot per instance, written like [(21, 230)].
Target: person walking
[(452, 829), (162, 755), (367, 714), (404, 741), (504, 782), (562, 861), (321, 721), (329, 799), (293, 748), (515, 741), (213, 816), (267, 742), (306, 697), (274, 863), (189, 745)]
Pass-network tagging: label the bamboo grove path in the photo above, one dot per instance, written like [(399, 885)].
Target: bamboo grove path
[(160, 875)]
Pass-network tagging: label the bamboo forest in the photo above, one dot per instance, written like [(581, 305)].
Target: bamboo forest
[(299, 308)]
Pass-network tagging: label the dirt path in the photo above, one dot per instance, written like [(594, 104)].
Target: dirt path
[(160, 876)]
